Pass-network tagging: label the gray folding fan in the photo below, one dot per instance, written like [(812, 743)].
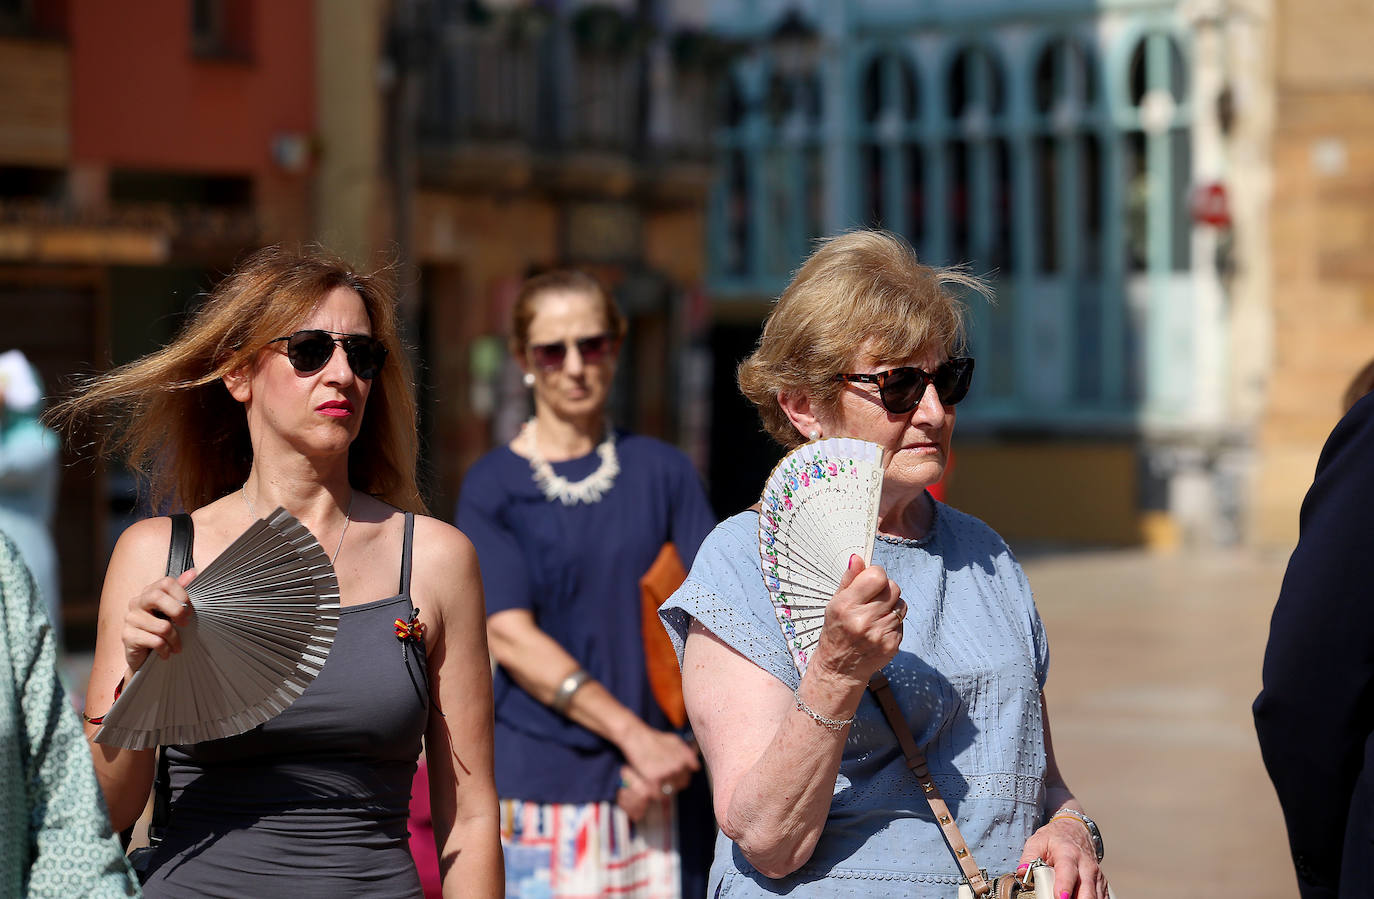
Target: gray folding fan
[(265, 614)]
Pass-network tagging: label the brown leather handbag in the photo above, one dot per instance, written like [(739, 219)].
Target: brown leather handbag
[(660, 659)]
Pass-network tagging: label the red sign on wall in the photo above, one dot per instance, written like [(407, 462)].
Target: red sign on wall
[(1211, 206)]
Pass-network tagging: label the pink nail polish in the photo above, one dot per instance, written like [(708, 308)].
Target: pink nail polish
[(1020, 868), (1064, 895)]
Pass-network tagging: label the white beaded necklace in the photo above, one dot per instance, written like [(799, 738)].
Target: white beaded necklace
[(588, 490)]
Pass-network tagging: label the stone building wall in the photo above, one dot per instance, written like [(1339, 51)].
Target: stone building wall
[(1321, 246)]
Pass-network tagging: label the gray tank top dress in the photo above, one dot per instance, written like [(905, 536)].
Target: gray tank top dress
[(313, 803)]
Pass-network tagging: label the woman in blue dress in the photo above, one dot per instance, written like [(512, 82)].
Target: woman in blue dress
[(288, 388), (598, 790), (812, 789)]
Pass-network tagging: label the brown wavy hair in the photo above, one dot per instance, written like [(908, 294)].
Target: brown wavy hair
[(860, 292), (569, 280), (171, 418)]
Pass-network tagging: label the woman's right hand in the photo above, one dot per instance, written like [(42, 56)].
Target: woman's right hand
[(863, 624), (660, 759), (153, 617)]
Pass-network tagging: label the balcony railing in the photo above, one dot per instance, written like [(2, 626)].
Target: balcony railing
[(487, 88), (481, 86)]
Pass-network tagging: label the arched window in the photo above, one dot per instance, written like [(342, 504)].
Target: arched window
[(1158, 157), (1067, 163), (891, 157), (792, 169), (978, 159)]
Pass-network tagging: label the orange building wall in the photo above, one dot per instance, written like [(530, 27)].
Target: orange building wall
[(142, 100)]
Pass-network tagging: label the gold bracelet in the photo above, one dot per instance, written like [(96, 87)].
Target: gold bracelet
[(1068, 815), (100, 719)]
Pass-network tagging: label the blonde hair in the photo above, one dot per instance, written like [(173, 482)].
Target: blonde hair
[(565, 279), (173, 420), (859, 292)]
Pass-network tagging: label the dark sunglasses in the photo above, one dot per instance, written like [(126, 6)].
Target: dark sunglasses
[(901, 389), (308, 351), (551, 356)]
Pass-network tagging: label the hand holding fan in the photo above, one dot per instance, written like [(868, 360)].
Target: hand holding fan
[(265, 614), (819, 507)]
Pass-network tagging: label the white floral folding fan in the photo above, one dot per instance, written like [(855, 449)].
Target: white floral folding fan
[(265, 614), (819, 507)]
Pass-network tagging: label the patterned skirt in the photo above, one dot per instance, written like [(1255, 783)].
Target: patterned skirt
[(587, 851)]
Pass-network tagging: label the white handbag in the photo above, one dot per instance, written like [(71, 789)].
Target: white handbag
[(1038, 881)]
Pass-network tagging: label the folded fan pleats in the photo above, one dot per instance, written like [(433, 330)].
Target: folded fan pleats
[(819, 507), (265, 614)]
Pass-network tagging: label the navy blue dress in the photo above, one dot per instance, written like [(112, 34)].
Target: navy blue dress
[(577, 569), (1315, 715)]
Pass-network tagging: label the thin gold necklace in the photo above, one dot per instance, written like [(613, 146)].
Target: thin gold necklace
[(348, 517)]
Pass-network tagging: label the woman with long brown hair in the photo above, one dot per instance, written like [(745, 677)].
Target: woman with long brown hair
[(288, 387)]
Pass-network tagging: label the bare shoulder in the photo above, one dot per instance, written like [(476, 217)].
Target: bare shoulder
[(144, 541), (442, 540), (139, 558), (445, 564)]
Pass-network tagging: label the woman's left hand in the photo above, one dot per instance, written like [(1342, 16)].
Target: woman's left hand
[(633, 797), (1064, 843)]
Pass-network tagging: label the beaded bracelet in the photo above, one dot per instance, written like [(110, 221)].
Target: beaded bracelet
[(831, 724)]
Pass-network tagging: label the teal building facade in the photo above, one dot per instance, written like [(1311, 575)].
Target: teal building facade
[(1056, 148)]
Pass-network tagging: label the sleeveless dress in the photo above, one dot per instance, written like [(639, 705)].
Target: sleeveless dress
[(314, 802)]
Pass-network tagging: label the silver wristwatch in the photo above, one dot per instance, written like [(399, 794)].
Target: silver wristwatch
[(1094, 834)]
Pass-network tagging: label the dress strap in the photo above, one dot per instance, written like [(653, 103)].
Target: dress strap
[(179, 557), (405, 553)]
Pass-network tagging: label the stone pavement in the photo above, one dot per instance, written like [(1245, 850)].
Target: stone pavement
[(1155, 660)]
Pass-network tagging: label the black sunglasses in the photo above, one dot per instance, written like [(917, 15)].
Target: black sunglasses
[(551, 356), (308, 351), (901, 389)]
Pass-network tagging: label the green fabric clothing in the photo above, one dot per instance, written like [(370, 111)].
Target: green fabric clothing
[(56, 839)]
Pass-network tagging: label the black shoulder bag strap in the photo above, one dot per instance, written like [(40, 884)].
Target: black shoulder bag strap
[(178, 560)]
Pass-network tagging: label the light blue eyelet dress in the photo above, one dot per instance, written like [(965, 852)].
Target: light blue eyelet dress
[(968, 677)]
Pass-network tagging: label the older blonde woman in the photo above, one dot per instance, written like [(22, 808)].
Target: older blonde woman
[(811, 789)]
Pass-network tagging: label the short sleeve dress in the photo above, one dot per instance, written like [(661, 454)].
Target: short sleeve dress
[(968, 677)]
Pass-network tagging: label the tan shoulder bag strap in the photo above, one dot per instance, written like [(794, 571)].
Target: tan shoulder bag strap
[(916, 761)]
